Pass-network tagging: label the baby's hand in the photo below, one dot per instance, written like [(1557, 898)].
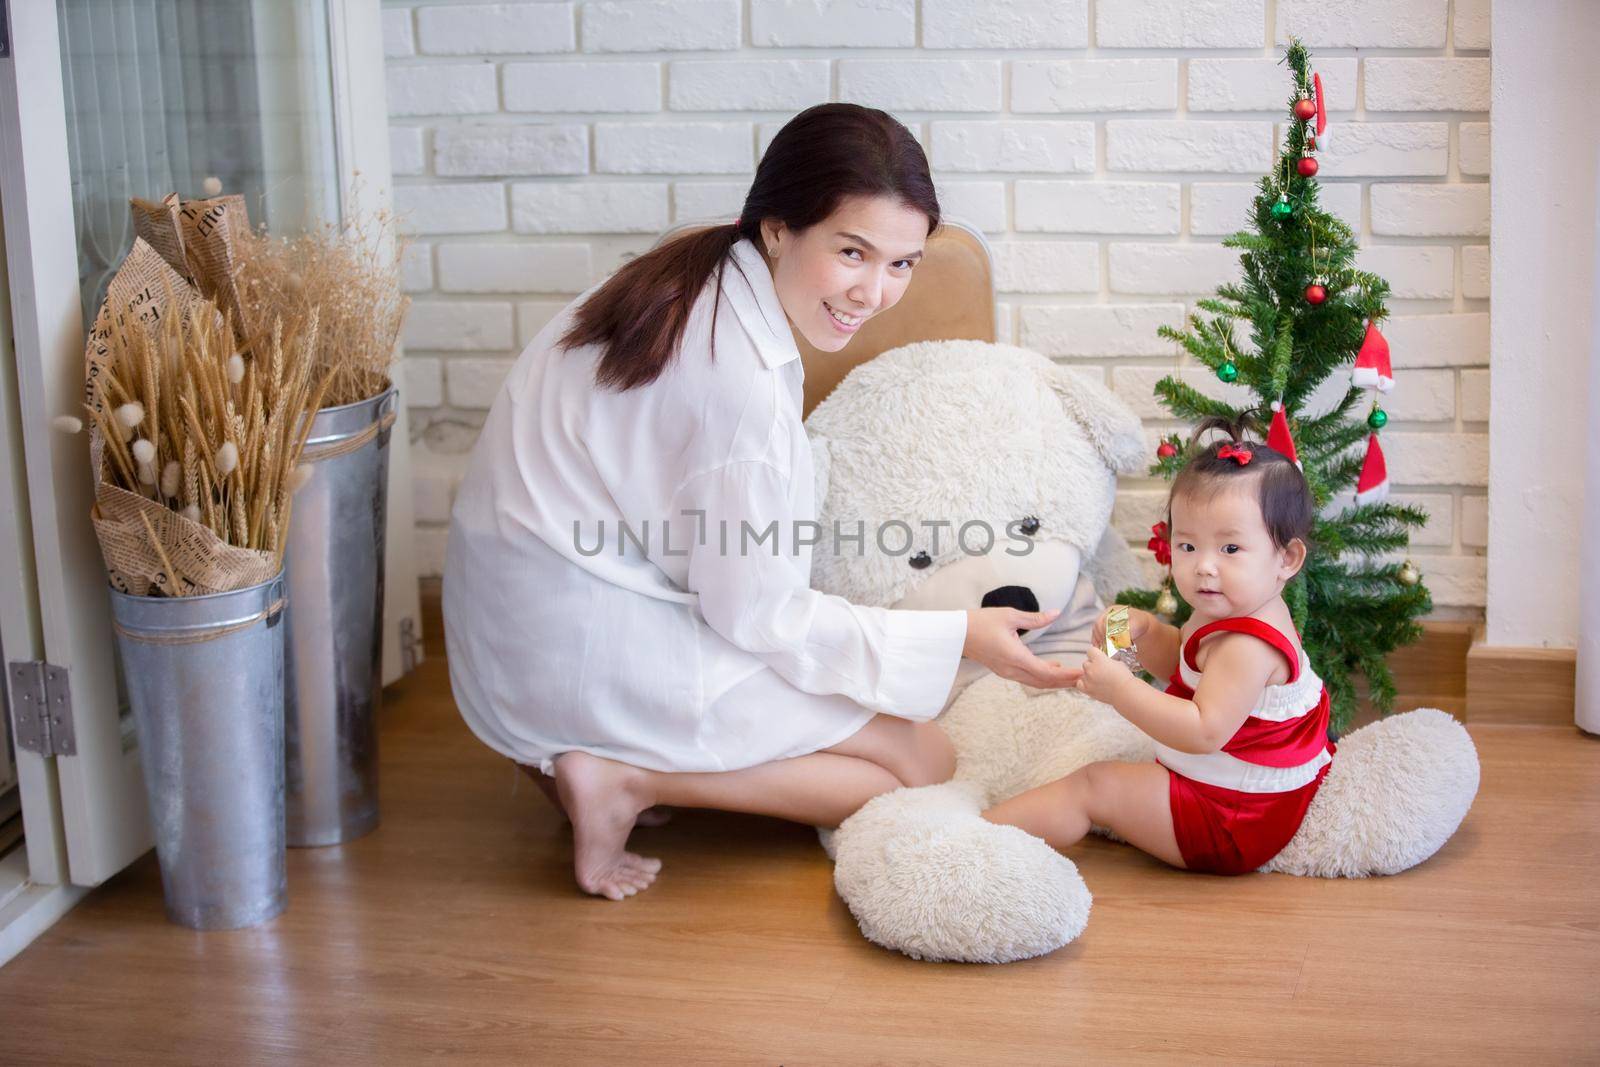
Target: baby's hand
[(1138, 625), (1103, 677)]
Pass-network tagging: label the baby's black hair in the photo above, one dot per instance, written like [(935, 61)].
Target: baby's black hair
[(1285, 498)]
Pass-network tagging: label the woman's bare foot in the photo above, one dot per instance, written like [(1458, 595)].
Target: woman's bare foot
[(656, 816), (604, 799)]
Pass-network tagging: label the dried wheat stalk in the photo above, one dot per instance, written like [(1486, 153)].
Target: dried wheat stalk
[(186, 422)]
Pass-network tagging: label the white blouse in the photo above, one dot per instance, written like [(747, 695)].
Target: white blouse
[(607, 586)]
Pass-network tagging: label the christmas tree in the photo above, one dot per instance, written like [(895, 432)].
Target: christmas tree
[(1309, 314)]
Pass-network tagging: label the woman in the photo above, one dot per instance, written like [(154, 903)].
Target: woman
[(610, 619)]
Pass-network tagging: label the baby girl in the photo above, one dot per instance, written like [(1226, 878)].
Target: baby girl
[(1241, 731)]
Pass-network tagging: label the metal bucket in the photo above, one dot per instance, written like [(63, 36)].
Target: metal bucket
[(334, 565), (205, 679)]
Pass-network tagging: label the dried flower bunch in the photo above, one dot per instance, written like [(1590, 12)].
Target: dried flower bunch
[(185, 421), (349, 278)]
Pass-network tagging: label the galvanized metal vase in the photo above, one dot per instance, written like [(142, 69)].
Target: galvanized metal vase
[(334, 566), (205, 679)]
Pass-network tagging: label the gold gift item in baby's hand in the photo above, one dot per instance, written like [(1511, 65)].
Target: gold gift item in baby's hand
[(1119, 637)]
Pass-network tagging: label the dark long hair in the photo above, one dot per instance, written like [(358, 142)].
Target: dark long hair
[(821, 156)]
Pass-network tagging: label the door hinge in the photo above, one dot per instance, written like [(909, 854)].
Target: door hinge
[(409, 644), (41, 708)]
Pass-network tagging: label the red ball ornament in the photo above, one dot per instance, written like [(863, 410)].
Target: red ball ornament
[(1315, 294), (1305, 109), (1307, 166), (1165, 450)]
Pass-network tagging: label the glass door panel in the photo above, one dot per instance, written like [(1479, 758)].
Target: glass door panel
[(194, 96)]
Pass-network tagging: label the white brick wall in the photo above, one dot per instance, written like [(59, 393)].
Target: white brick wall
[(1098, 207), (501, 149), (1188, 145), (673, 148), (1105, 149), (833, 23), (479, 29), (1032, 147), (1005, 24), (1066, 85), (659, 25), (610, 86)]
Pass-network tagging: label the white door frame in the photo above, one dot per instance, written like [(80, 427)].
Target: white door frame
[(101, 788), (361, 145), (20, 636), (34, 892)]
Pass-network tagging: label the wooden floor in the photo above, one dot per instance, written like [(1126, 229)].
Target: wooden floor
[(455, 928)]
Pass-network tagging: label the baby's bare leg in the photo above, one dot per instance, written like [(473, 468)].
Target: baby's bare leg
[(1129, 798)]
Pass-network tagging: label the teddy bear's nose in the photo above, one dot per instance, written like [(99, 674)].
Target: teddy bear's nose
[(1011, 596)]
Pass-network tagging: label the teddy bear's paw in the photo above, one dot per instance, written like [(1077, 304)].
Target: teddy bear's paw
[(935, 882), (886, 814), (1396, 792)]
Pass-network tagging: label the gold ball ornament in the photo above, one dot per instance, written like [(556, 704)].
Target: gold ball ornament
[(1166, 603), (1409, 575)]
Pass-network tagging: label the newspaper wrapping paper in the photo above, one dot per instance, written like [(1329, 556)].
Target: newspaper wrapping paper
[(160, 227), (200, 239), (147, 288)]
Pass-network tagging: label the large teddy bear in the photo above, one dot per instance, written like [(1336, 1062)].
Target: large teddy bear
[(991, 472)]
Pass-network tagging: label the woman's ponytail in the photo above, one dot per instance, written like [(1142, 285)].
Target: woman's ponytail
[(640, 313)]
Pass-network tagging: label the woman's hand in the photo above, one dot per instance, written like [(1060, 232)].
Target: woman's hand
[(1139, 623), (1104, 678), (992, 640)]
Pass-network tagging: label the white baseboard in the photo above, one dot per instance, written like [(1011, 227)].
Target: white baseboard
[(28, 909)]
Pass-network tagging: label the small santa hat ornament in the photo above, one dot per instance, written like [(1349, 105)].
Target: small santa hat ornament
[(1278, 437), (1372, 370), (1319, 131), (1372, 486)]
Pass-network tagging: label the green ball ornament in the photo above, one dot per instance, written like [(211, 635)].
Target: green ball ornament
[(1228, 372), (1282, 209), (1378, 419)]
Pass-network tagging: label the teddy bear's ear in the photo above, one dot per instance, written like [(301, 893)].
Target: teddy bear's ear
[(821, 461), (1115, 431)]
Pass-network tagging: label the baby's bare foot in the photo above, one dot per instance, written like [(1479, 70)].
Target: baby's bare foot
[(656, 816), (604, 798)]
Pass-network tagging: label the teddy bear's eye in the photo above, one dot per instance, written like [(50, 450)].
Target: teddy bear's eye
[(921, 560), (1030, 525)]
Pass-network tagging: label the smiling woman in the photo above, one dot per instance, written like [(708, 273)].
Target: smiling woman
[(832, 279), (695, 668), (841, 205)]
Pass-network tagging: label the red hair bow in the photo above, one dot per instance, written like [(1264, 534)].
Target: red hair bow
[(1160, 545), (1240, 453)]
